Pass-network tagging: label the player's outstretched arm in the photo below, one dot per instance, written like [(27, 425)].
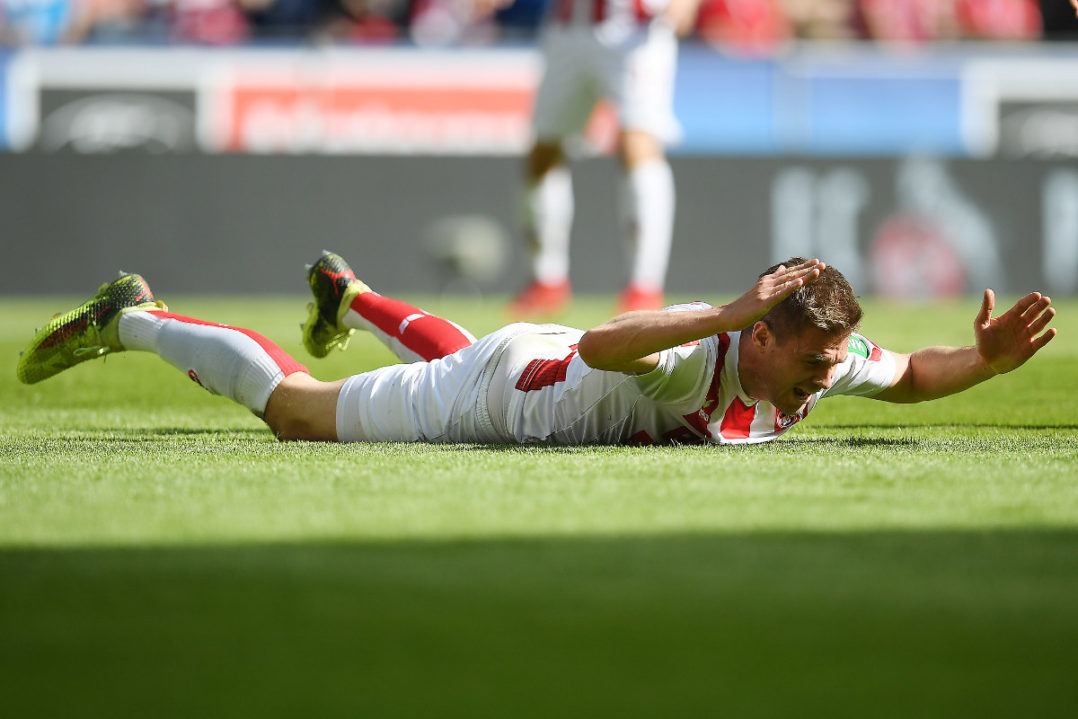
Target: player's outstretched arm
[(631, 342), (1003, 344)]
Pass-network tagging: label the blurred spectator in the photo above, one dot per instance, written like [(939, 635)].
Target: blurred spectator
[(521, 19), (905, 23), (366, 21), (747, 27), (207, 22), (451, 22), (915, 22), (821, 19), (282, 19), (999, 19), (41, 22), (1060, 20), (120, 21)]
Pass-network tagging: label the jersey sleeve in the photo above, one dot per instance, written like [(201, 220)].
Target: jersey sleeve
[(684, 373), (868, 369)]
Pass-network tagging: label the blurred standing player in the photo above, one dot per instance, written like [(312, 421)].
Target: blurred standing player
[(623, 51)]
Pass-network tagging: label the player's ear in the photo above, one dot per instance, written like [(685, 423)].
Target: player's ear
[(761, 334)]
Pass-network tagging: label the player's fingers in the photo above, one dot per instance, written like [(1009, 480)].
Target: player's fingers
[(1043, 339), (1036, 307), (987, 305), (1022, 305), (794, 281), (807, 271), (808, 266), (1041, 322)]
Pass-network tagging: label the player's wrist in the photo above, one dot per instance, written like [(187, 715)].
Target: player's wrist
[(986, 366)]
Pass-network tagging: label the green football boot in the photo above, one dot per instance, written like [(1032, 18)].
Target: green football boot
[(90, 330), (334, 286)]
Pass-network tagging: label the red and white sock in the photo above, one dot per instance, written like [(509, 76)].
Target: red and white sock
[(548, 219), (412, 334), (648, 208), (230, 361)]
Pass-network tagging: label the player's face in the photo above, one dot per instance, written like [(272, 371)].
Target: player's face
[(801, 365)]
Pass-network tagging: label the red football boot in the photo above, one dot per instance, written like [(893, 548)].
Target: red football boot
[(539, 300)]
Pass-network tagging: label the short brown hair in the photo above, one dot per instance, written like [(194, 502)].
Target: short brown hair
[(827, 303)]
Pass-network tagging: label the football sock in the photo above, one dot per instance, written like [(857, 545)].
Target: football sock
[(649, 213), (237, 363), (412, 334), (548, 218)]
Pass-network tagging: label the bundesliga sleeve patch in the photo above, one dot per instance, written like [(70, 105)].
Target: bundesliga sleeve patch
[(865, 348)]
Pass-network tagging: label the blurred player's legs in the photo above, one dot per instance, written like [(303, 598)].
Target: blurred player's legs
[(635, 72), (547, 219), (648, 214), (343, 304)]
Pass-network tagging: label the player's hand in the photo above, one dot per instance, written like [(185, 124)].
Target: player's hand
[(768, 291), (1074, 4), (1007, 341)]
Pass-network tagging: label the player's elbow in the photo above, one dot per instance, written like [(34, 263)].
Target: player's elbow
[(594, 349), (587, 349)]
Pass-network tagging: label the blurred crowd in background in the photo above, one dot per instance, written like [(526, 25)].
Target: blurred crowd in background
[(746, 27)]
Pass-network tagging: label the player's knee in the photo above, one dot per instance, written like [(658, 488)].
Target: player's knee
[(543, 158), (637, 147), (291, 429), (302, 408)]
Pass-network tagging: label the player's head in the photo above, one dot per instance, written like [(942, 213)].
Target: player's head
[(798, 344), (828, 303)]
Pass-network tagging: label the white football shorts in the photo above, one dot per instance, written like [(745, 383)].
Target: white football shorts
[(451, 399), (635, 73)]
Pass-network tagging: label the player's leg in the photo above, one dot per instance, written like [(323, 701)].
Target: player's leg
[(303, 408), (563, 103), (343, 304), (647, 199), (234, 362), (546, 218), (641, 77)]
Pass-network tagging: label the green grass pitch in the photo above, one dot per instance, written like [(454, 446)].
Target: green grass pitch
[(161, 555)]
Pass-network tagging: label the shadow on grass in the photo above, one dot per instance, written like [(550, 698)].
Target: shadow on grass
[(858, 624)]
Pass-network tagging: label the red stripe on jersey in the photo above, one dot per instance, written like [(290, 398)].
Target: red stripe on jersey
[(876, 353), (700, 419), (542, 373), (564, 10), (427, 335), (641, 12), (281, 358), (737, 421)]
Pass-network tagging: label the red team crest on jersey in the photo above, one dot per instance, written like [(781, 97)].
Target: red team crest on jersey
[(784, 422)]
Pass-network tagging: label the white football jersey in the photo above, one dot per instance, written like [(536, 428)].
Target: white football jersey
[(526, 383), (693, 395)]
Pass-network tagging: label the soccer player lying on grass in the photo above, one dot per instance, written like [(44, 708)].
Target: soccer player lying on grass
[(739, 373)]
